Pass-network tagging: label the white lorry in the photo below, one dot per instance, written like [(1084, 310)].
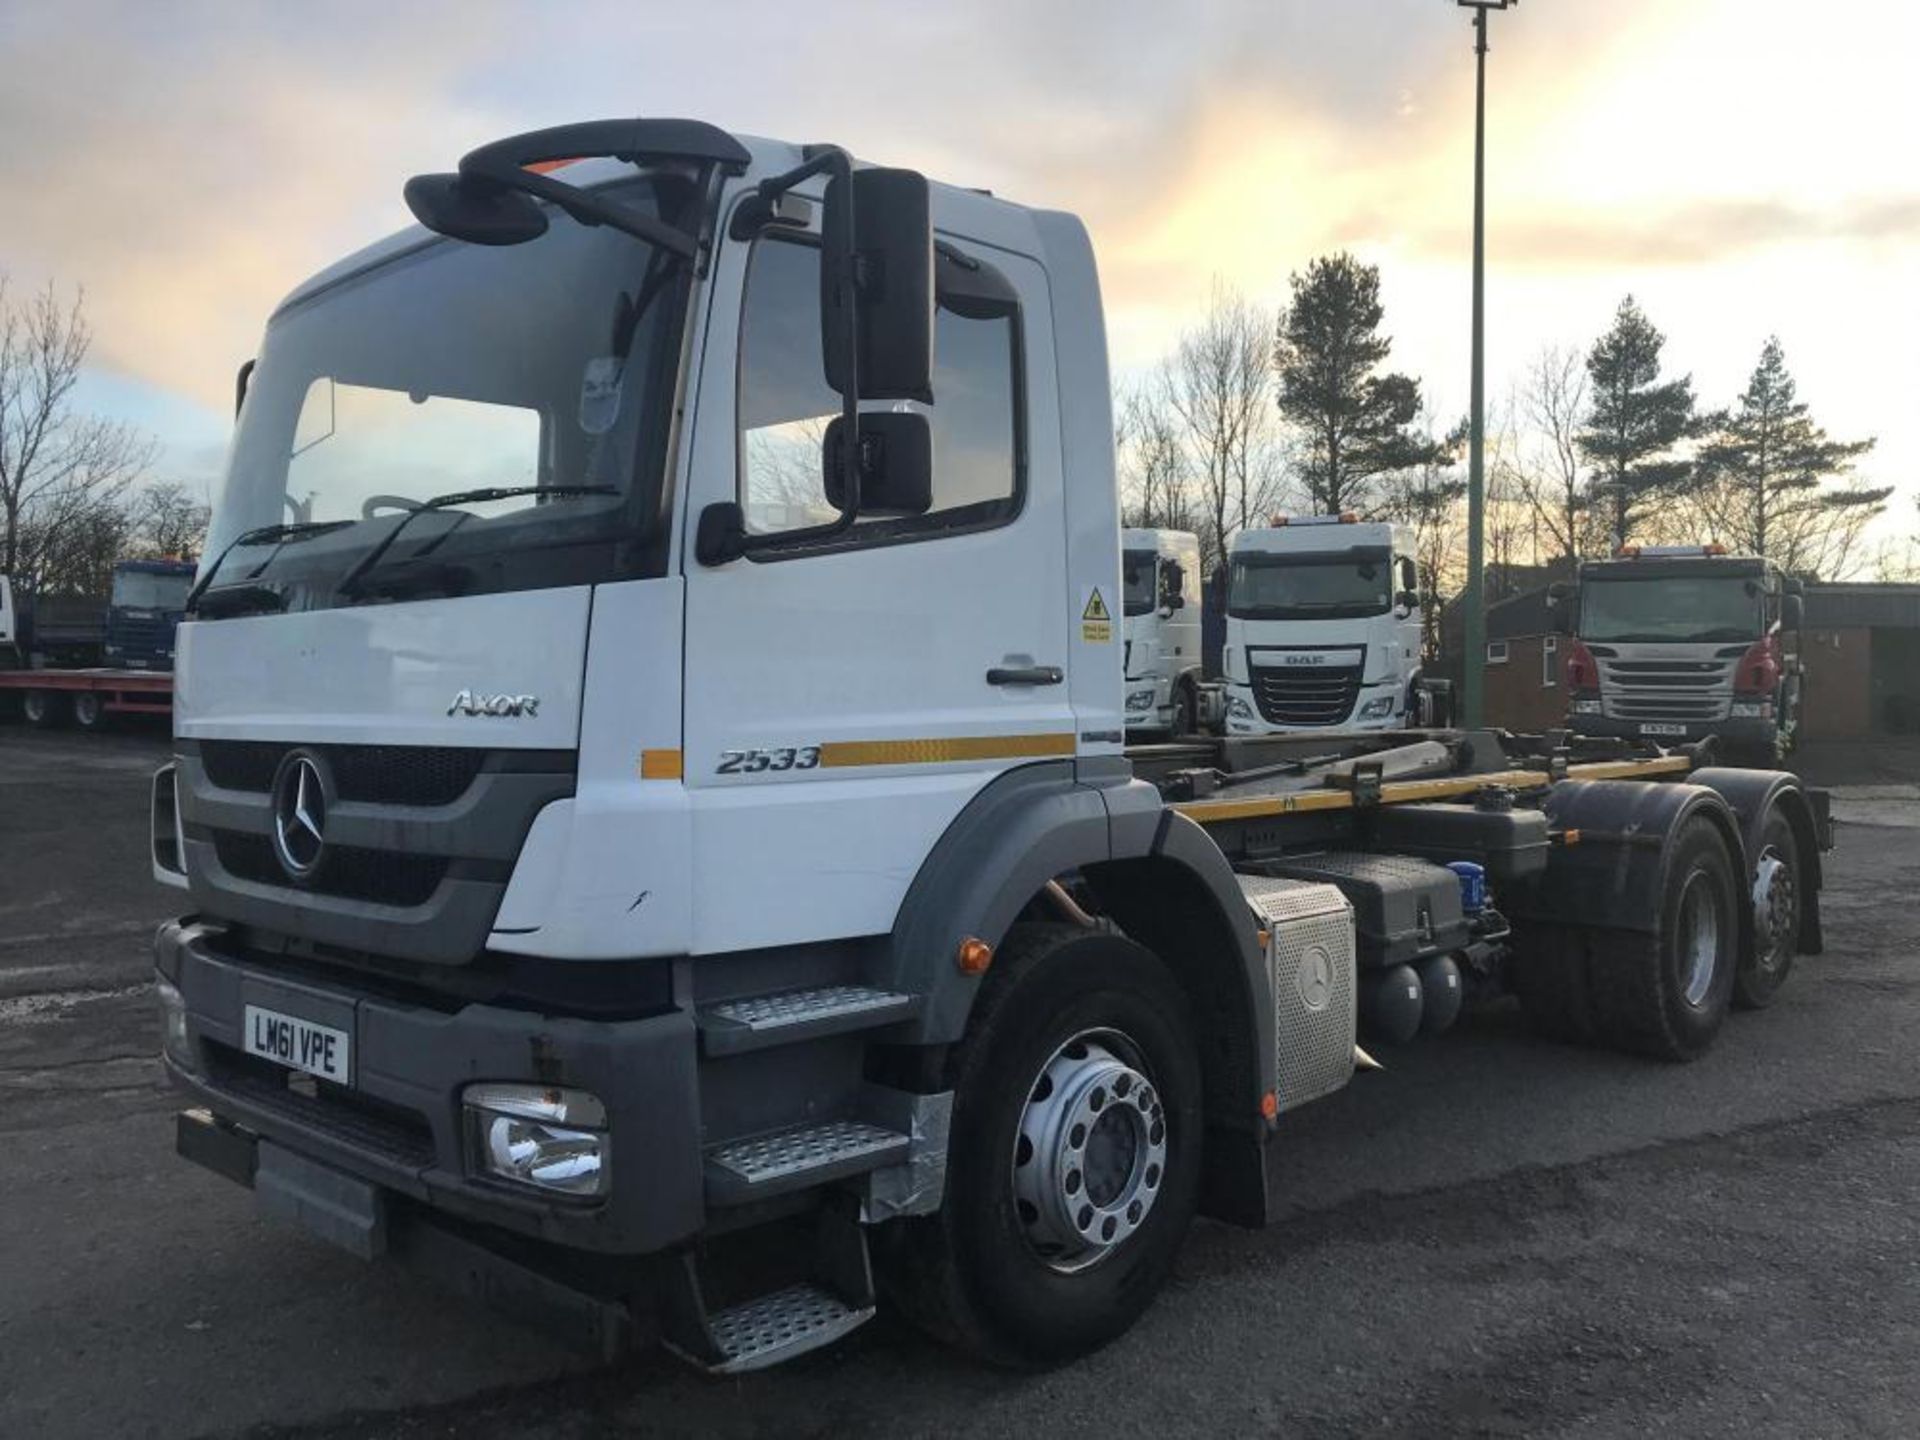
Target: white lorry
[(1323, 628), (650, 775), (1160, 646)]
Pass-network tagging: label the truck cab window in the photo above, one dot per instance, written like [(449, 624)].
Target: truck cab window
[(786, 406)]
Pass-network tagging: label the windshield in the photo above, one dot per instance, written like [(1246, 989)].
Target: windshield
[(1671, 607), (1137, 573), (142, 590), (456, 367), (1344, 586)]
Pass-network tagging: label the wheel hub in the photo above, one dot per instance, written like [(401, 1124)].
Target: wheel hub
[(1774, 906), (1091, 1152)]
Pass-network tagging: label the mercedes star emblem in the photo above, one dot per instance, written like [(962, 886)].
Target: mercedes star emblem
[(299, 815)]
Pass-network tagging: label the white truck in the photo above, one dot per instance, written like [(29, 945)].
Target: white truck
[(658, 845), (1323, 628), (1160, 646)]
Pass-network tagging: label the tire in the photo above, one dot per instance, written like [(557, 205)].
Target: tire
[(44, 709), (1184, 721), (89, 710), (990, 1272), (1664, 994), (1778, 884)]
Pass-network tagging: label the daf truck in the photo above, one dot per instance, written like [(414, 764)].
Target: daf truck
[(658, 845), (1323, 628), (1160, 650), (1679, 642)]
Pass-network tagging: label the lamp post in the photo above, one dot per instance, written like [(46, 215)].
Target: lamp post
[(1474, 661)]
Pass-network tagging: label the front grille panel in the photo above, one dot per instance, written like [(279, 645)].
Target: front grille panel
[(377, 877), (1671, 690), (376, 774), (1304, 695)]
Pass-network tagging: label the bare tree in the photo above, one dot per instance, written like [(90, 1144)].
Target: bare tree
[(56, 465), (1549, 465), (1219, 385), (1430, 498), (1154, 471), (167, 521)]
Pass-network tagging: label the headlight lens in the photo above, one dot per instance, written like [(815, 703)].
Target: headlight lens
[(1238, 709), (1586, 707), (1374, 709), (1140, 700), (544, 1138), (174, 1041)]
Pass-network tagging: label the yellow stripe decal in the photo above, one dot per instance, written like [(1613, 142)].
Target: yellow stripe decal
[(839, 753), (660, 765)]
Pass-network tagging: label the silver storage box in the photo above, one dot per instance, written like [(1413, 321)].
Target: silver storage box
[(1312, 963)]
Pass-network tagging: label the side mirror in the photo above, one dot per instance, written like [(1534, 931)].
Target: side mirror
[(1559, 593), (1407, 599), (890, 309), (895, 457), (480, 212), (1793, 612)]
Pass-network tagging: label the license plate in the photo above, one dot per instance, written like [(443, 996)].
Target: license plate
[(1651, 727), (299, 1044)]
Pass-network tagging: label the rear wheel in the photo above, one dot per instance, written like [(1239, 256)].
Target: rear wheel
[(1184, 720), (89, 710), (1775, 895), (1073, 1160), (1663, 994), (44, 709)]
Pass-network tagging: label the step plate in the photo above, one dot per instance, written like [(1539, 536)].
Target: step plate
[(782, 1325), (760, 1020), (798, 1157)]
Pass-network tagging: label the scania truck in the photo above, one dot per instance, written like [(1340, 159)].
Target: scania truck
[(651, 797), (1679, 642), (1323, 628), (1167, 691)]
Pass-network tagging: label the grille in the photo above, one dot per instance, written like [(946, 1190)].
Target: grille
[(1675, 690), (1306, 695), (378, 877), (342, 1115), (379, 774)]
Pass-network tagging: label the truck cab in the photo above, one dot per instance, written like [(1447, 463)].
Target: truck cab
[(1160, 592), (1681, 642), (144, 610), (1323, 627)]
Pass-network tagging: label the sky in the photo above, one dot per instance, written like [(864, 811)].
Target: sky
[(1742, 167)]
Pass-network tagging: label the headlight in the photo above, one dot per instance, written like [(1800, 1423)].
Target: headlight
[(1586, 707), (540, 1137), (1752, 709), (1140, 700), (1375, 709), (174, 1041), (1238, 709)]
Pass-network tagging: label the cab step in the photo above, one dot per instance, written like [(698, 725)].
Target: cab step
[(754, 1022), (783, 1323), (777, 1327), (798, 1158)]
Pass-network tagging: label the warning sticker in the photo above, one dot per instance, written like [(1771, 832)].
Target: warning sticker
[(1096, 621)]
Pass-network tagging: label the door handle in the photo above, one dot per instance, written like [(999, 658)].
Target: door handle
[(1026, 675)]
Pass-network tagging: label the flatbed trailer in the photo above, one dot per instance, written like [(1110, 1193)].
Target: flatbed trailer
[(86, 698)]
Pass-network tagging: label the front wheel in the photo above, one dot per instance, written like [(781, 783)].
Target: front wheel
[(1073, 1158), (1185, 721), (44, 709)]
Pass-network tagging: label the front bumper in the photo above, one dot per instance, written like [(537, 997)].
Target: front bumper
[(1743, 731), (1246, 719), (399, 1125)]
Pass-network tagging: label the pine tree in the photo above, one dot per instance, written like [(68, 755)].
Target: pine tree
[(1635, 420), (1766, 472), (1355, 426)]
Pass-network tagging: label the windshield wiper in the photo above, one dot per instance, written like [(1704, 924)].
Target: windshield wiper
[(348, 584), (275, 535)]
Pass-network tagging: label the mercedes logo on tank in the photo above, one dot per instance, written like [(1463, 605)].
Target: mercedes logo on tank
[(299, 814)]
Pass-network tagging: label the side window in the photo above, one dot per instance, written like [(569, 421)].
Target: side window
[(786, 405), (1496, 652), (1549, 661)]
